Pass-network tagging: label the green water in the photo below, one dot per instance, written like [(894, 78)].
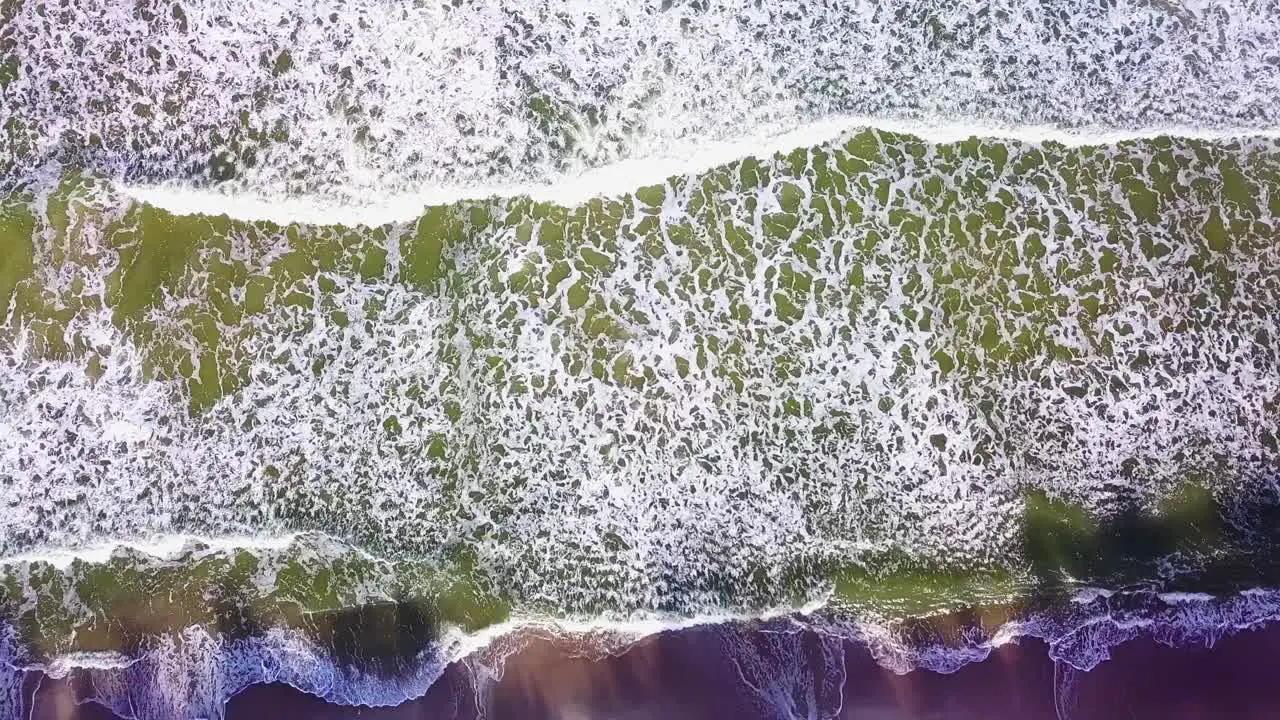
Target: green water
[(982, 246), (1001, 271)]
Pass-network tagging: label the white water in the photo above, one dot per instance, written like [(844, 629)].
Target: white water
[(624, 176), (639, 497), (384, 97), (163, 547), (390, 106), (196, 674)]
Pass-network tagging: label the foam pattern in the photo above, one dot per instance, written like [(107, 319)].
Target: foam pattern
[(353, 100), (711, 390), (699, 396), (798, 668), (793, 666), (193, 674)]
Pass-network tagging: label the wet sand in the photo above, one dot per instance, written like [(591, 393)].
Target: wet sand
[(704, 673)]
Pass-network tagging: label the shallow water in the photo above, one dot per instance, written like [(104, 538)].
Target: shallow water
[(342, 345), (758, 672)]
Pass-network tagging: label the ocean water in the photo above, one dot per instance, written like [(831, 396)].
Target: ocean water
[(348, 345)]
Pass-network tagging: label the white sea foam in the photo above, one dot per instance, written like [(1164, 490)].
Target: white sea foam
[(163, 547), (62, 665), (1090, 594), (415, 427), (774, 663), (589, 492), (379, 97), (1175, 598), (192, 675), (613, 634), (151, 686), (625, 176)]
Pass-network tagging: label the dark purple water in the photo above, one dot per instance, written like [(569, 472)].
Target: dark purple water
[(694, 674)]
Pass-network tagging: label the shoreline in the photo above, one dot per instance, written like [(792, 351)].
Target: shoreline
[(751, 672), (772, 658)]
